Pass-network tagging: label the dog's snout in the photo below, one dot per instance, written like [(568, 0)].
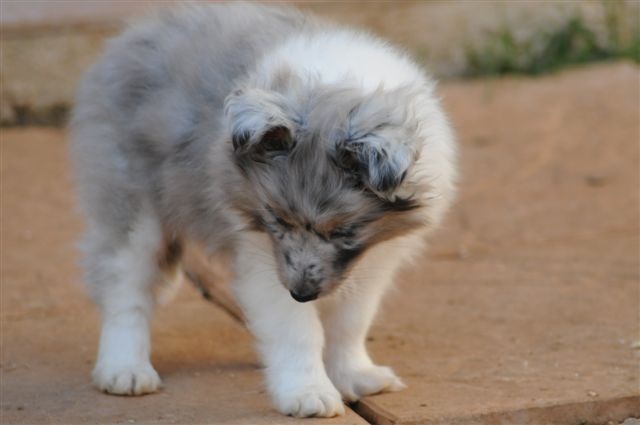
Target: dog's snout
[(308, 288), (310, 273), (305, 294)]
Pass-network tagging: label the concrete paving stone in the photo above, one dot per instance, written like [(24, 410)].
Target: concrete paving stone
[(524, 310), (50, 329), (527, 311)]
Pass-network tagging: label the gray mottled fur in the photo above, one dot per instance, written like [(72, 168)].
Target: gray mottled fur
[(171, 120)]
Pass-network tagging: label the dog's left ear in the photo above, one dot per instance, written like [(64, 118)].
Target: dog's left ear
[(258, 123), (379, 165), (380, 145)]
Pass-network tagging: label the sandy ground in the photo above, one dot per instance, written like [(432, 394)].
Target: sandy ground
[(524, 310)]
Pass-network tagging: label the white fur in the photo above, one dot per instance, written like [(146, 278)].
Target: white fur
[(305, 377), (376, 63), (289, 334), (123, 365), (347, 317)]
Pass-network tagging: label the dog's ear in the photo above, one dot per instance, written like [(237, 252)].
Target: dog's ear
[(381, 143), (379, 165), (258, 123)]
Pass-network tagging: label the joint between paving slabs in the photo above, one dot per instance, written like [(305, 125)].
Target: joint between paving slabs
[(212, 292)]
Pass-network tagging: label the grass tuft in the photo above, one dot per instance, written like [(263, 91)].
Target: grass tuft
[(569, 44)]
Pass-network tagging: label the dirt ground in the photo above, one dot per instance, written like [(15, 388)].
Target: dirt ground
[(524, 310)]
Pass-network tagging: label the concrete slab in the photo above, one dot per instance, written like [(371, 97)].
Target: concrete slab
[(50, 330), (526, 311)]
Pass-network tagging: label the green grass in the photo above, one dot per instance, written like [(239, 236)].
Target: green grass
[(569, 44)]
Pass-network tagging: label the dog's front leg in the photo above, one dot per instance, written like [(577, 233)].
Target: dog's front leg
[(347, 316), (289, 334)]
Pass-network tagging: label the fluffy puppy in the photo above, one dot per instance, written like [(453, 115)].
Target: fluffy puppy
[(318, 155)]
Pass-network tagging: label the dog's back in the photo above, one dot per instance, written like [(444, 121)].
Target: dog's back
[(163, 79)]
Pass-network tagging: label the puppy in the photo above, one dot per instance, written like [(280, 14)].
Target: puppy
[(318, 155)]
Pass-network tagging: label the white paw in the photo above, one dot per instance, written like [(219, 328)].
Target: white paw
[(126, 380), (310, 400), (354, 383)]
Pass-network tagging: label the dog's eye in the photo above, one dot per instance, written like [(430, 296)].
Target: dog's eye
[(274, 145), (342, 232), (347, 160), (283, 223)]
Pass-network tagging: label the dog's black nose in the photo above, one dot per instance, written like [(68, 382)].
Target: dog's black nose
[(304, 296)]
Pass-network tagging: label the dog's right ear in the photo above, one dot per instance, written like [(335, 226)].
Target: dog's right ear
[(258, 123)]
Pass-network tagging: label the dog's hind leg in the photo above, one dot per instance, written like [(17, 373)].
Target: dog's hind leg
[(121, 273)]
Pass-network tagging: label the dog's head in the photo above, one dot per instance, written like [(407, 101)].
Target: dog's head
[(330, 171)]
